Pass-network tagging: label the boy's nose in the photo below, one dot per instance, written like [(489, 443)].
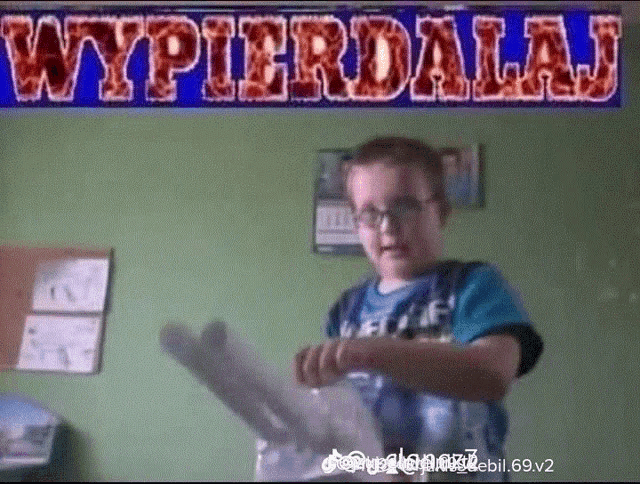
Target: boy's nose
[(389, 224)]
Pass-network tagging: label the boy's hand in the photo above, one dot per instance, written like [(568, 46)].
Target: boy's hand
[(327, 363)]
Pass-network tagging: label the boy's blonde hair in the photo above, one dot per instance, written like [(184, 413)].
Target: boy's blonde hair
[(401, 151)]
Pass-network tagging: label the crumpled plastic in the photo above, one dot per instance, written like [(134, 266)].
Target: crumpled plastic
[(300, 432)]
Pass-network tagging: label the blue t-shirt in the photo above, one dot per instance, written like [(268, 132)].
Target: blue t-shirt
[(452, 302)]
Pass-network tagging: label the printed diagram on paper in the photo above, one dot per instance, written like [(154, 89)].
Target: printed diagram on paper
[(60, 343)]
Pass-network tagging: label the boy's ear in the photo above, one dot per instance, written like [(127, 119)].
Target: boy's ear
[(445, 218), (445, 213)]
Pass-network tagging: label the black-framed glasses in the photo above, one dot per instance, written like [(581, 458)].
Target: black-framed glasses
[(400, 210)]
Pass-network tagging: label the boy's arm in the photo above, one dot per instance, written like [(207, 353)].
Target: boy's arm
[(482, 370)]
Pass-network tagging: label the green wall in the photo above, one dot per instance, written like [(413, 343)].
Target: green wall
[(210, 211)]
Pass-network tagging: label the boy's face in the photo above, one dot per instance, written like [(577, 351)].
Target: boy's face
[(401, 246)]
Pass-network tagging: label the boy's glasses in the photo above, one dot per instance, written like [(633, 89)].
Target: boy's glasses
[(401, 210)]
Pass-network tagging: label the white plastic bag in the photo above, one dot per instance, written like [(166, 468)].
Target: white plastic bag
[(299, 431)]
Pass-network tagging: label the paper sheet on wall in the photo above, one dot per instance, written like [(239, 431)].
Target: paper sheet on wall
[(60, 343), (74, 285), (334, 223)]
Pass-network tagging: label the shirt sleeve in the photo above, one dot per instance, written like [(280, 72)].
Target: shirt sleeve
[(486, 304)]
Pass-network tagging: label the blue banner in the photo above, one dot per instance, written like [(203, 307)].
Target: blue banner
[(310, 58)]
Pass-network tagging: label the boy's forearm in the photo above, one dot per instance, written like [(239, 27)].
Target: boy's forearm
[(469, 373)]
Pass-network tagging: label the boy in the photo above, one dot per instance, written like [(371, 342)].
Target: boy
[(433, 346)]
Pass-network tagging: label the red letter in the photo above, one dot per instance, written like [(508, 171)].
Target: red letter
[(264, 38), (488, 86), (43, 60), (320, 43), (448, 66), (385, 58), (114, 40), (174, 47), (605, 30), (548, 56), (218, 31)]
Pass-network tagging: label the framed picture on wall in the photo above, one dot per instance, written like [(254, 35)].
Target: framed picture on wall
[(333, 227), (463, 176)]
